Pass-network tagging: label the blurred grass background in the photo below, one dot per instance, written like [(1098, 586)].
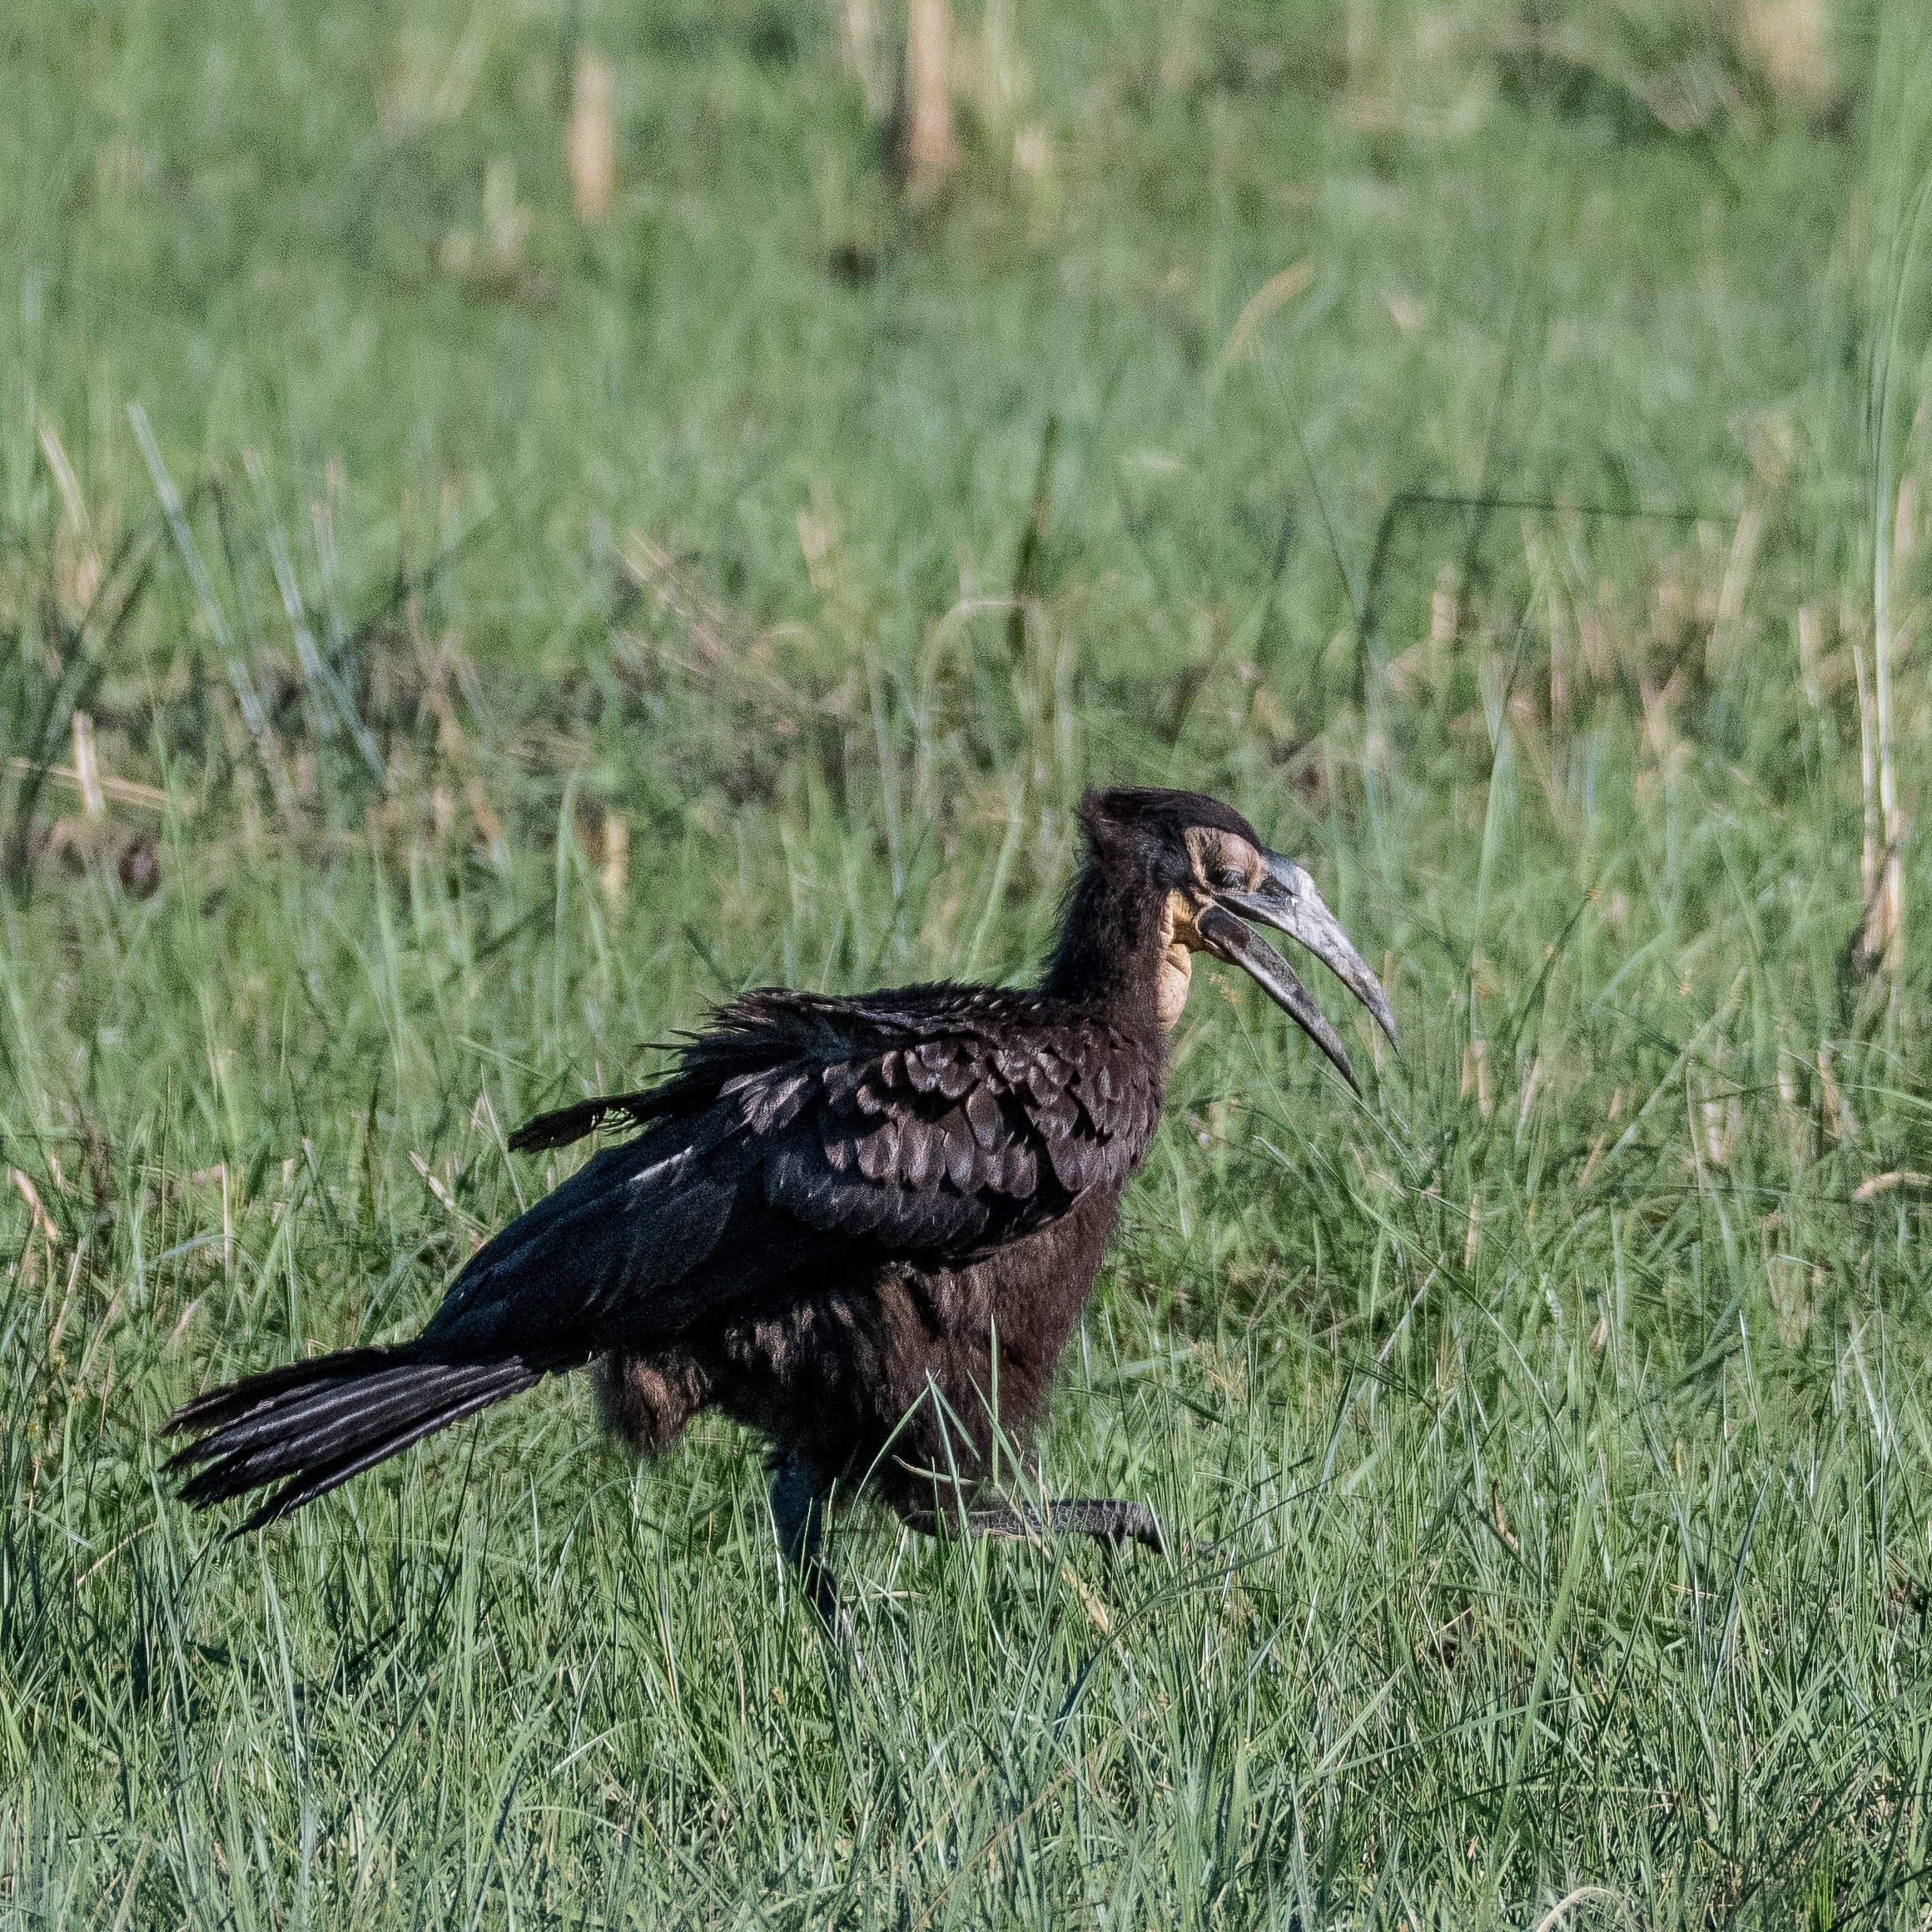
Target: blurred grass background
[(517, 521)]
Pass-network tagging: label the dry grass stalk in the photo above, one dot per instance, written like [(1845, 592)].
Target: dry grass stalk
[(1788, 1111), (616, 857), (1476, 1075), (1868, 864), (1002, 77), (1789, 43), (1881, 876), (1730, 593), (1531, 1088), (1811, 654), (1445, 609), (1885, 1183), (1033, 156), (488, 824), (87, 767), (1561, 653), (1659, 702), (43, 1222), (217, 1176), (1590, 1165), (435, 1185), (1540, 751), (932, 149), (651, 567), (1888, 939), (491, 258), (860, 49), (78, 560), (1275, 293), (1095, 1608), (1837, 1120), (590, 139), (1502, 1528), (1361, 29), (122, 790)]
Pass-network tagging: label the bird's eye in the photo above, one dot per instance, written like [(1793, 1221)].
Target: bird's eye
[(1230, 878)]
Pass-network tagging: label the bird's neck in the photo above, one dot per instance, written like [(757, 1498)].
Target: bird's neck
[(1109, 958)]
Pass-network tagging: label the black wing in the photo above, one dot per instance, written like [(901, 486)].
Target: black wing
[(933, 1124)]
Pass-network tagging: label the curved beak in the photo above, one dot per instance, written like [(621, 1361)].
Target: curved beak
[(1288, 900)]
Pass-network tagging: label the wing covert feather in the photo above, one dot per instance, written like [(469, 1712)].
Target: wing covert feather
[(965, 1135), (933, 1124)]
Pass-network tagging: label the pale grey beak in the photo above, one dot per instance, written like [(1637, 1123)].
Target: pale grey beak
[(1288, 900)]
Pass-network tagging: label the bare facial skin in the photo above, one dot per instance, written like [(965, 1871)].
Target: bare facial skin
[(1224, 861), (1221, 859), (1178, 945)]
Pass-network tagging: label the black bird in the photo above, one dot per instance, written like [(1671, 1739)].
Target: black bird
[(835, 1210)]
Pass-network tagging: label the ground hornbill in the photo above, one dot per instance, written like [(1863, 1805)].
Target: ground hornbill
[(863, 1227)]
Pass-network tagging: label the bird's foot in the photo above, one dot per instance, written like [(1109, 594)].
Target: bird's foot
[(1106, 1519)]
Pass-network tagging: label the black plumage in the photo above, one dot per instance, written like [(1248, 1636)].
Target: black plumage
[(834, 1212)]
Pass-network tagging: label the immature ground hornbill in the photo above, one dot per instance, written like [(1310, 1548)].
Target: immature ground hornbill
[(835, 1210)]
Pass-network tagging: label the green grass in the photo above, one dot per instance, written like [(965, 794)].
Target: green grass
[(1557, 1413)]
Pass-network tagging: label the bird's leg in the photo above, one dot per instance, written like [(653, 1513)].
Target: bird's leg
[(798, 1506), (1105, 1517)]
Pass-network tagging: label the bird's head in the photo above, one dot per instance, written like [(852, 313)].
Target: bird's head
[(1212, 874)]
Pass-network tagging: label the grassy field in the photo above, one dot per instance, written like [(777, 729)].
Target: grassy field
[(1482, 442)]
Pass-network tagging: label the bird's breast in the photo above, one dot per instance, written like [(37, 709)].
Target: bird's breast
[(1030, 1292)]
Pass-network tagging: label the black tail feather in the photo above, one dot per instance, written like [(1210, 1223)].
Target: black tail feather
[(236, 1399), (317, 1423), (322, 1421)]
